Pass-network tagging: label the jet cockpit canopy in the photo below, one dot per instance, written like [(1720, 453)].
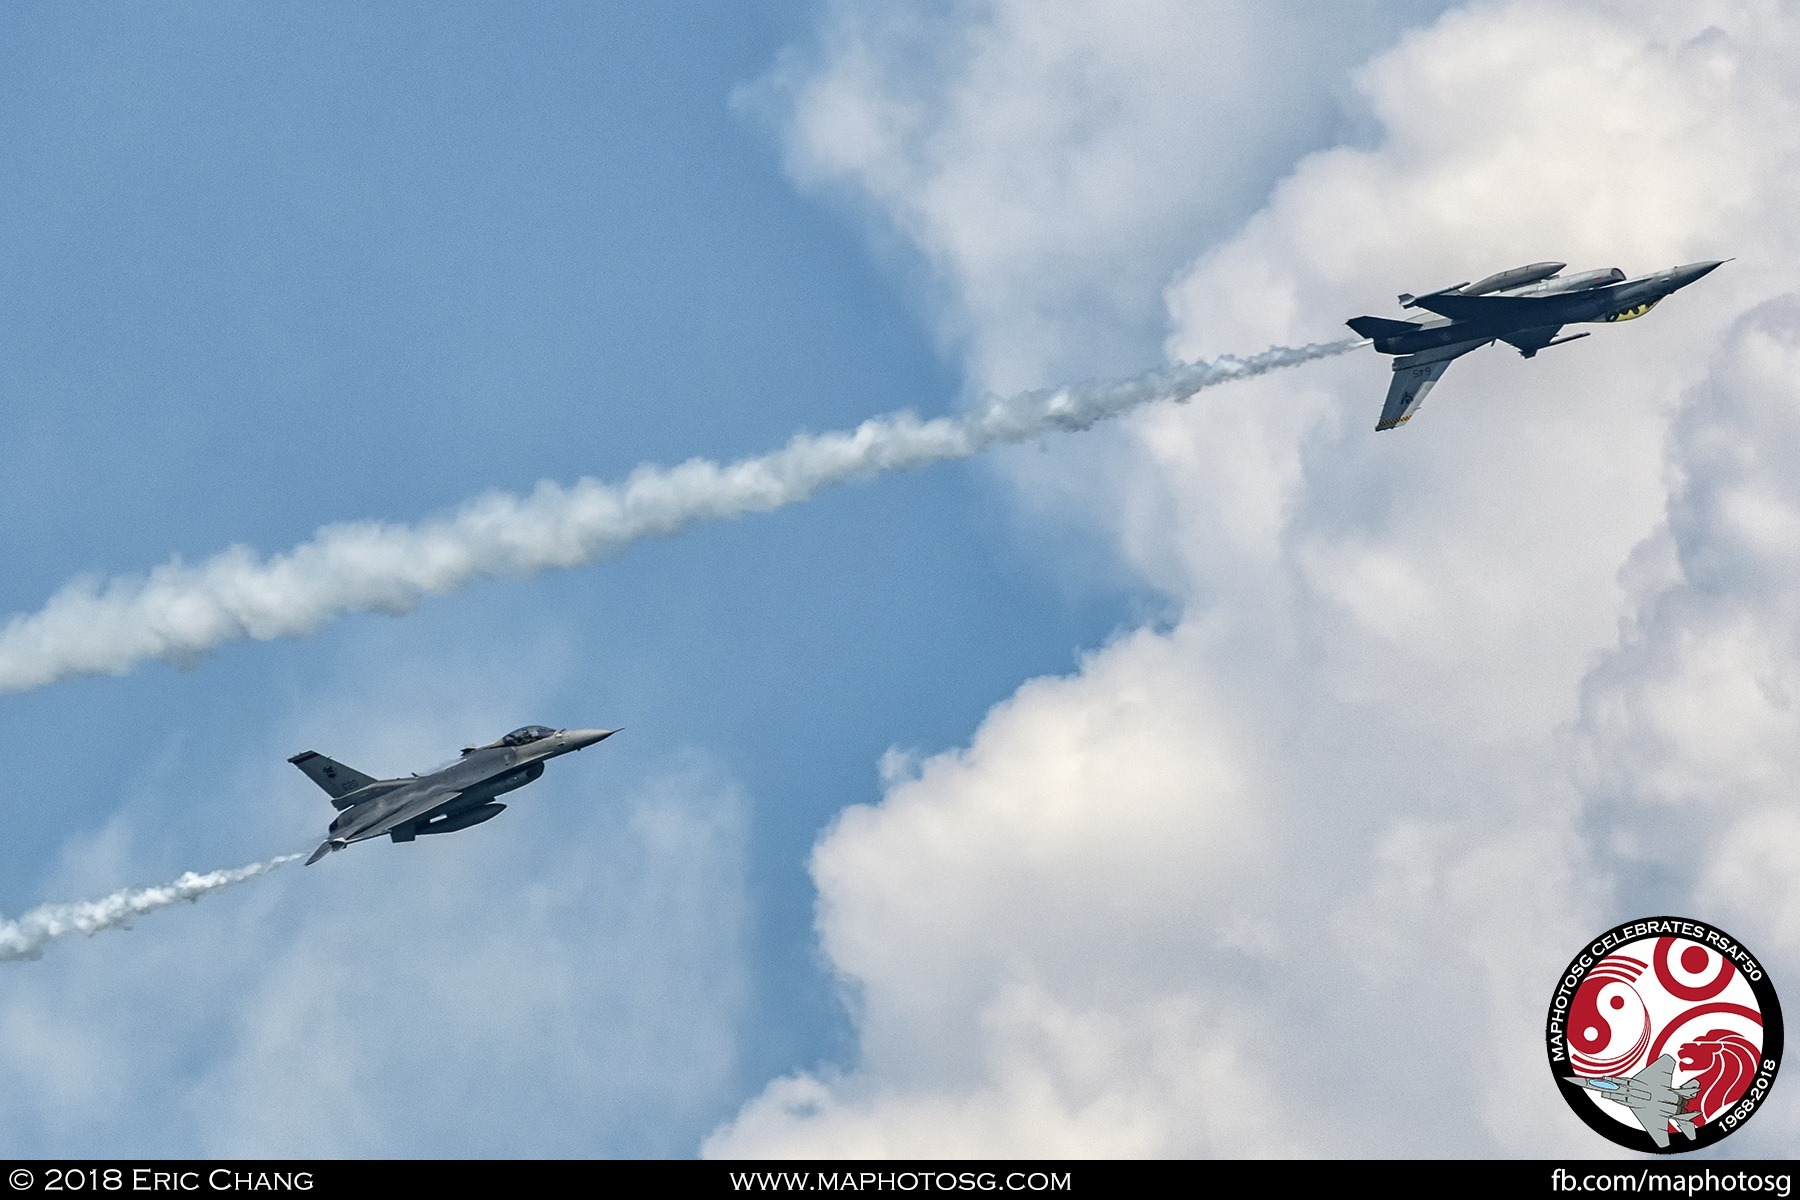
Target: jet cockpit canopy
[(530, 733)]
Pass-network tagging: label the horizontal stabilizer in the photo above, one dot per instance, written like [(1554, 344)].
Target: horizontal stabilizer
[(1415, 375), (1381, 327), (1407, 392)]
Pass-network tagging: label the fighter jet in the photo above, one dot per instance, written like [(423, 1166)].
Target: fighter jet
[(1525, 307), (1651, 1096), (455, 797)]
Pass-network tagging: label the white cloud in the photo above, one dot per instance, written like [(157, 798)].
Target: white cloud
[(1119, 1081), (1689, 728), (1331, 837), (1048, 160), (1065, 819)]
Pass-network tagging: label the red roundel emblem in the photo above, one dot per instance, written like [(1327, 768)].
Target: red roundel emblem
[(1664, 1034)]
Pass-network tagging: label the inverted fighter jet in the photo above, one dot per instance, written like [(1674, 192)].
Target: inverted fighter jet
[(1652, 1097), (1525, 307), (456, 797)]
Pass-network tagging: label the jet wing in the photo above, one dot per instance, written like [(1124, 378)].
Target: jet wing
[(426, 801), (1510, 310), (1659, 1074)]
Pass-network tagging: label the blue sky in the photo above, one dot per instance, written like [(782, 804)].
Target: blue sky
[(1232, 746)]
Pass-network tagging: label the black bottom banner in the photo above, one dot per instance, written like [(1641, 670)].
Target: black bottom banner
[(963, 1178)]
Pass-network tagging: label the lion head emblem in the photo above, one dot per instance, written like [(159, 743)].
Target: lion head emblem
[(1726, 1063)]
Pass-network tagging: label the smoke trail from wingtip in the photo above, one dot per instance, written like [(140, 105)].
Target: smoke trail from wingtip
[(178, 612), (26, 937)]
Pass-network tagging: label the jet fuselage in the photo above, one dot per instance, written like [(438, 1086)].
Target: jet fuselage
[(1594, 296), (456, 797)]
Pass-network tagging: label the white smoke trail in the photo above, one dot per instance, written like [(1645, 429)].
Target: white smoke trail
[(26, 937), (178, 612)]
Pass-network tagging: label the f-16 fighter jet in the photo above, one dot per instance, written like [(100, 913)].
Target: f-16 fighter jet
[(460, 795), (1651, 1096), (1525, 307)]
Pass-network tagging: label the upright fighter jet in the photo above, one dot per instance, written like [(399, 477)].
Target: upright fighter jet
[(1525, 307), (460, 795)]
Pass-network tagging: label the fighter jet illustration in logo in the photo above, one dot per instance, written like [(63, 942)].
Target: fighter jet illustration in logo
[(1652, 1097)]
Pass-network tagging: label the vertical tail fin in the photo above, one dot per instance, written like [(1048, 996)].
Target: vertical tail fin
[(337, 779)]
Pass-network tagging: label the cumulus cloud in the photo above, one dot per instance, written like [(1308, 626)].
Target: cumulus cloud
[(1687, 740), (1047, 161), (978, 911), (1429, 695)]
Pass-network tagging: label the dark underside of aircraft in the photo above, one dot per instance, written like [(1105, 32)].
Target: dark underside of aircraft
[(1525, 307)]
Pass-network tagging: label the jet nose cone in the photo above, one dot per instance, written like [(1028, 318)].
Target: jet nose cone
[(1694, 271), (581, 739)]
